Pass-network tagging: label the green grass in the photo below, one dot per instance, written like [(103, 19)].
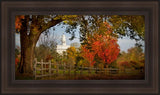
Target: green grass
[(95, 77), (85, 75)]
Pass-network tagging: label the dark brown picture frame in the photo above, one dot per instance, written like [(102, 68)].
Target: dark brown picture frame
[(10, 9)]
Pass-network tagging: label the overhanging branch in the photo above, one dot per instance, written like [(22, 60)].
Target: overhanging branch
[(50, 24)]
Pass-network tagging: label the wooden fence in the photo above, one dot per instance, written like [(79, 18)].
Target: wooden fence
[(49, 69)]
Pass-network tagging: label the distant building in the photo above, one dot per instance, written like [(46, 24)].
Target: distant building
[(63, 47)]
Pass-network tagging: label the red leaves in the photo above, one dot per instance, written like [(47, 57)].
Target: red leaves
[(18, 22), (88, 55), (107, 49), (105, 46), (16, 61), (49, 57)]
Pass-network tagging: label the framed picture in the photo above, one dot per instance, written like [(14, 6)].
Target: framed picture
[(79, 47)]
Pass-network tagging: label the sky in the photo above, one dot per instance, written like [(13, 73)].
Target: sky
[(124, 43)]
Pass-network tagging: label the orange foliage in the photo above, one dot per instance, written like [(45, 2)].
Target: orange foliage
[(88, 55), (16, 61), (104, 46), (49, 57), (18, 21), (124, 63)]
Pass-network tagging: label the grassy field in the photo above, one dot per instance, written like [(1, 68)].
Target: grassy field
[(85, 75)]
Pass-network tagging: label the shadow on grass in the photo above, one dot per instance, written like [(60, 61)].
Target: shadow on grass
[(84, 76)]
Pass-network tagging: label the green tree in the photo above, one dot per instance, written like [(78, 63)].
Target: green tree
[(46, 48), (131, 26), (41, 52)]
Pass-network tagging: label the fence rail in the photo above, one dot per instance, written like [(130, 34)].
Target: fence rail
[(49, 69)]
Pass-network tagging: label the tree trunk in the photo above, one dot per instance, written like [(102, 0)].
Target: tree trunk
[(28, 43), (27, 59)]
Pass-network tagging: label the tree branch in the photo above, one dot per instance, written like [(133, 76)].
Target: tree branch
[(50, 24)]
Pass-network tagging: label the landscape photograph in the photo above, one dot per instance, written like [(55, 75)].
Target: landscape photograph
[(79, 47)]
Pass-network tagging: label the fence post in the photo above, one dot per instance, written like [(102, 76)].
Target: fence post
[(64, 68), (75, 69), (35, 64), (57, 67), (45, 68), (81, 70), (105, 71), (42, 67), (69, 70), (50, 69), (96, 70), (89, 69)]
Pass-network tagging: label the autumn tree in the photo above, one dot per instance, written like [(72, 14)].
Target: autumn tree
[(71, 55), (134, 58), (102, 46), (124, 25), (137, 58)]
